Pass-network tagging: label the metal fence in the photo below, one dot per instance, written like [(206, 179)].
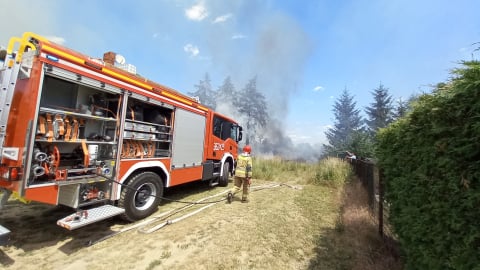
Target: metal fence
[(373, 181)]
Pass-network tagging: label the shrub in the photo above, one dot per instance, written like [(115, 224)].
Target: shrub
[(431, 161)]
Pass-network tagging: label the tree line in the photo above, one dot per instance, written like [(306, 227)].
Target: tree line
[(350, 131), (354, 133), (247, 104)]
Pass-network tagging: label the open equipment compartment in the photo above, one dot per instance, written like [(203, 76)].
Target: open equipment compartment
[(76, 131), (148, 129)]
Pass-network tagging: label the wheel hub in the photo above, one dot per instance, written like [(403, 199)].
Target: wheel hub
[(145, 196)]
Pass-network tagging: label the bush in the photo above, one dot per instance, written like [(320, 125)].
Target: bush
[(431, 161)]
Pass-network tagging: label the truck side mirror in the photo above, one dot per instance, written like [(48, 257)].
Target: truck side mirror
[(240, 134)]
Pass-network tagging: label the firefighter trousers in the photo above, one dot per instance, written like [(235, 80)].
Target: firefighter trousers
[(238, 183)]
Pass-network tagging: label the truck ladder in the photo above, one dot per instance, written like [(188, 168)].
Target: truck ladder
[(8, 77)]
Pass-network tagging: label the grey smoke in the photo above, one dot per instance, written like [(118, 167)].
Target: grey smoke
[(277, 53)]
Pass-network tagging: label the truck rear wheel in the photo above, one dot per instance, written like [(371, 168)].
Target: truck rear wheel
[(141, 197), (223, 180)]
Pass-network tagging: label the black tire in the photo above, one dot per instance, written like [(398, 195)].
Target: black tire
[(142, 196), (223, 179)]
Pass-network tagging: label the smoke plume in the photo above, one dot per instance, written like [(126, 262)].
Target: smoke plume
[(278, 49)]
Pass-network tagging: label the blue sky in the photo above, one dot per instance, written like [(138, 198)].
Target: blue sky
[(304, 53)]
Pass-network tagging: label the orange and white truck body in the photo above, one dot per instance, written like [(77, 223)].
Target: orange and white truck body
[(88, 134)]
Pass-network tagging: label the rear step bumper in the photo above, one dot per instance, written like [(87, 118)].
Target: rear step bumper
[(4, 235), (86, 217)]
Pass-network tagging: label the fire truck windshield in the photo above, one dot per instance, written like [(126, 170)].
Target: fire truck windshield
[(224, 129)]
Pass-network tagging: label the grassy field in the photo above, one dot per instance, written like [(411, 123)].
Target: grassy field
[(342, 230), (300, 216)]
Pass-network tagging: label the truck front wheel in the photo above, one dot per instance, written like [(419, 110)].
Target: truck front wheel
[(141, 197), (223, 180)]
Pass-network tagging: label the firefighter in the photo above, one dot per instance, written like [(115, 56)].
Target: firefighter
[(243, 175)]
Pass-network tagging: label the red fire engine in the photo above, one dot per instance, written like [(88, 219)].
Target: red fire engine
[(91, 134)]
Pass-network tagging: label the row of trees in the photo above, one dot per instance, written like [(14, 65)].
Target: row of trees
[(248, 104), (352, 132), (250, 108)]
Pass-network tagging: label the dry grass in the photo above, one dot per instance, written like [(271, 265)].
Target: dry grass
[(359, 230), (320, 226), (327, 172)]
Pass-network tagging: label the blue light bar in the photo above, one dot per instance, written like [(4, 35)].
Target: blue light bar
[(52, 58)]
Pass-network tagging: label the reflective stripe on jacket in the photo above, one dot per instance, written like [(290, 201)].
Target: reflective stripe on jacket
[(244, 166)]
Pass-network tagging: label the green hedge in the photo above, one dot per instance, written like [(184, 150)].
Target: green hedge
[(431, 161)]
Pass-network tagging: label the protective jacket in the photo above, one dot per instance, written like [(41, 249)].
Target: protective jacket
[(244, 166)]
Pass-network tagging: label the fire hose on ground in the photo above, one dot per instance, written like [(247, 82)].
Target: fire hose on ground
[(164, 217)]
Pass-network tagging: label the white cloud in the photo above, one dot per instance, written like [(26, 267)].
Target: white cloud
[(191, 49), (163, 37), (58, 40), (318, 88), (197, 12), (238, 36), (222, 18)]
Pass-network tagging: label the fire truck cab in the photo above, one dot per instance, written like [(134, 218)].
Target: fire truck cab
[(93, 135)]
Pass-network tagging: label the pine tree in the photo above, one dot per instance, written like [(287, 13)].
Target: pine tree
[(404, 106), (401, 108), (253, 106), (380, 112), (348, 123), (204, 92), (227, 94)]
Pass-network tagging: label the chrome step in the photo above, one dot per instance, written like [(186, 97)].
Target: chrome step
[(213, 181), (85, 217), (4, 235)]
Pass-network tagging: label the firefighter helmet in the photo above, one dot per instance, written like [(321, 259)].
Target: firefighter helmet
[(247, 149)]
